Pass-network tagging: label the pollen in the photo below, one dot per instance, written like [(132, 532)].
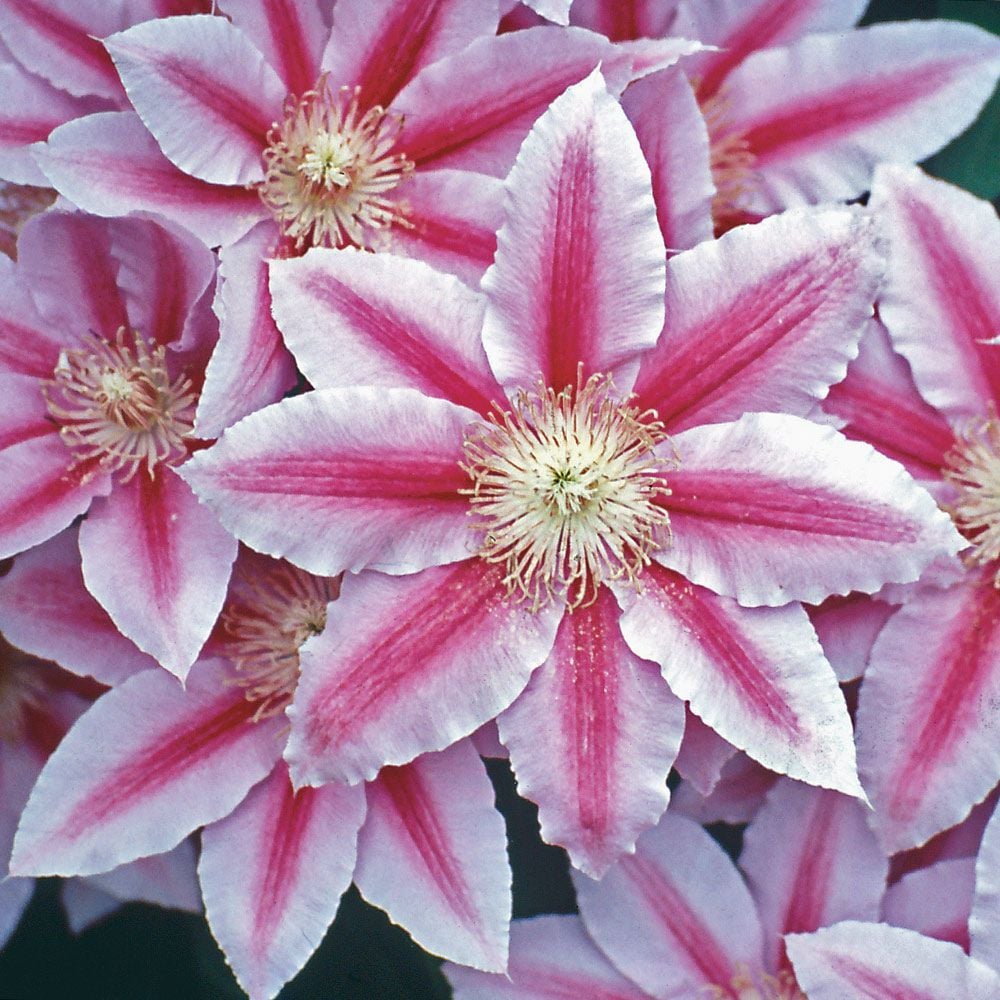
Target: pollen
[(746, 986), (565, 490), (330, 168), (732, 163), (264, 628), (973, 468), (117, 406)]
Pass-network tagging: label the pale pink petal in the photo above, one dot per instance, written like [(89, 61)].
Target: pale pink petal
[(433, 855), (675, 917), (149, 763), (578, 276), (927, 746), (860, 961), (672, 133), (472, 110), (942, 299), (984, 922), (703, 754), (811, 860), (551, 958), (622, 20), (169, 879), (109, 165), (486, 740), (410, 664), (736, 798), (204, 91), (765, 318), (847, 627), (28, 344), (272, 874), (890, 92), (342, 479), (25, 416), (553, 10), (250, 367), (453, 218), (613, 725), (757, 676), (159, 562), (935, 901), (774, 508), (85, 905), (46, 610), (352, 318), (381, 45)]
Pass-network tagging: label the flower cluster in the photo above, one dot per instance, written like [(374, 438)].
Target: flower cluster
[(598, 385)]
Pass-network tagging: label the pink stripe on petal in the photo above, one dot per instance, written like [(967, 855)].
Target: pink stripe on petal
[(625, 20), (432, 854), (395, 649), (579, 271)]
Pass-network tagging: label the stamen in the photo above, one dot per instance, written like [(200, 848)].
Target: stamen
[(117, 406), (762, 986), (973, 467), (565, 489), (732, 163), (329, 166), (266, 625)]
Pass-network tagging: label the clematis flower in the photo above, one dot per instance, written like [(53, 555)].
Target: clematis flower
[(150, 762), (103, 346), (678, 920), (927, 740), (626, 554)]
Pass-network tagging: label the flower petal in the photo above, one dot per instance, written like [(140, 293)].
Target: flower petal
[(159, 563), (984, 921), (736, 797), (703, 754), (433, 855), (353, 318), (204, 91), (757, 676), (935, 901), (149, 763), (611, 722), (765, 318), (342, 479), (272, 874), (774, 508), (28, 344), (847, 627), (410, 664), (579, 272), (926, 745), (169, 879)]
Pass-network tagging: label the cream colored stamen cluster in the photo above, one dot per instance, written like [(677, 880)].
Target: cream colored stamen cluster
[(329, 166), (745, 986), (974, 469), (21, 688), (732, 163), (565, 489), (116, 404), (265, 627)]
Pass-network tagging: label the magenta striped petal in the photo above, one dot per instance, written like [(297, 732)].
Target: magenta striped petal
[(757, 676), (774, 508), (927, 748), (381, 45), (935, 901), (25, 416), (579, 271), (46, 610), (110, 165), (28, 344), (890, 92), (674, 141), (847, 628), (942, 298), (272, 874), (703, 754), (860, 961), (159, 563), (551, 958), (613, 724), (623, 20), (765, 318), (433, 855), (204, 91), (250, 367), (811, 860), (149, 763), (410, 664), (984, 921), (342, 479), (675, 916), (351, 318)]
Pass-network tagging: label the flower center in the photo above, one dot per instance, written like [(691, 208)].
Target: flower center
[(732, 163), (116, 405), (266, 625), (565, 489), (745, 986), (329, 166), (973, 467)]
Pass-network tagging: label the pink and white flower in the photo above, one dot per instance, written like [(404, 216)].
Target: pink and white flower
[(600, 561)]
